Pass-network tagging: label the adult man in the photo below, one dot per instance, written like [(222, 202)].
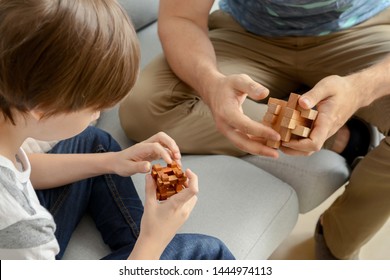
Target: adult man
[(252, 48)]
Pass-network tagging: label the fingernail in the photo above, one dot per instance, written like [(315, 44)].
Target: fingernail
[(275, 137), (260, 91), (147, 167), (306, 101)]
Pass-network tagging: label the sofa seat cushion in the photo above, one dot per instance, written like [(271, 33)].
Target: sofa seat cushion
[(314, 178)]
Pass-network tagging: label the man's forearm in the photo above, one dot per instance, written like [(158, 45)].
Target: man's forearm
[(194, 62), (373, 82)]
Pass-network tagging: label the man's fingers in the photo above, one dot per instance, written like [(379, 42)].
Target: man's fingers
[(246, 85), (248, 126), (311, 98), (251, 145)]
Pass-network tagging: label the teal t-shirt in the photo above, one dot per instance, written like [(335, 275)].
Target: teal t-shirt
[(301, 17)]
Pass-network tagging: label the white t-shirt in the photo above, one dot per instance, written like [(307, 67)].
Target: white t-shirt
[(26, 228)]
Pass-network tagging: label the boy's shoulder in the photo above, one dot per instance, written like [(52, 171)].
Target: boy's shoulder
[(15, 203), (26, 228)]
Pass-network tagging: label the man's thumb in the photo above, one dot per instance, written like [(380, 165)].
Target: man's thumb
[(257, 92), (310, 99)]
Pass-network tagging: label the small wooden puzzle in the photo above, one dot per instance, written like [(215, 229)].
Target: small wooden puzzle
[(289, 119), (170, 179)]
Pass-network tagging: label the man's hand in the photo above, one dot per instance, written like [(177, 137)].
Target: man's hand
[(225, 99), (336, 100)]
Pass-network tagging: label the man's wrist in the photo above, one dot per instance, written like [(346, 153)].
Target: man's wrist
[(210, 85)]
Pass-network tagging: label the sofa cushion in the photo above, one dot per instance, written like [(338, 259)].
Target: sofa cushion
[(141, 12), (314, 178)]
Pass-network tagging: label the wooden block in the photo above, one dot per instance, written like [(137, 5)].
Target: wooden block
[(293, 100), (273, 144), (166, 169), (270, 118), (157, 167), (285, 134), (288, 123), (162, 190), (170, 180), (178, 172), (173, 179), (301, 131), (173, 164), (289, 119), (308, 113), (166, 184), (181, 180), (170, 193), (277, 101), (274, 108), (179, 188), (291, 113)]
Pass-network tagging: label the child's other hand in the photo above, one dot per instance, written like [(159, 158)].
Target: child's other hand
[(137, 158), (167, 142), (161, 220), (170, 214)]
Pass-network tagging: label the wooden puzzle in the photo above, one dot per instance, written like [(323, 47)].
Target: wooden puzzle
[(170, 179), (289, 119)]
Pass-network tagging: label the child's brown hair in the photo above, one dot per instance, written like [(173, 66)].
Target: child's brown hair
[(62, 56)]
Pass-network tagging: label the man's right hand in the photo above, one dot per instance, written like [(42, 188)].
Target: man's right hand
[(225, 97)]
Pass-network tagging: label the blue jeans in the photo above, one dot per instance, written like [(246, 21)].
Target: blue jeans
[(114, 205)]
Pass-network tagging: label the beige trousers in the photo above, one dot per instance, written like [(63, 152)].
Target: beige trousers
[(161, 102)]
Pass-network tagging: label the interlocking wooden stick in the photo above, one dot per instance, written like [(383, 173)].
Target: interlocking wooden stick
[(289, 119), (170, 179)]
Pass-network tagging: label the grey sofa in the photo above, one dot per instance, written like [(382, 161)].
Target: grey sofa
[(251, 203)]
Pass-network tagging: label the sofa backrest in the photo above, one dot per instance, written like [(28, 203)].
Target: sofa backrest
[(141, 12)]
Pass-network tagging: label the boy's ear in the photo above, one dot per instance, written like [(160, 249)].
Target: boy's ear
[(36, 114)]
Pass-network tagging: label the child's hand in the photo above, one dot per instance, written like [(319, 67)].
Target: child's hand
[(161, 220), (136, 159)]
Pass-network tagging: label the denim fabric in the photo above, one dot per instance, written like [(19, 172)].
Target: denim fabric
[(114, 205)]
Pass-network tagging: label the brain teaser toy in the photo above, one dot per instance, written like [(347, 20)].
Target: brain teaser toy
[(170, 179), (289, 119)]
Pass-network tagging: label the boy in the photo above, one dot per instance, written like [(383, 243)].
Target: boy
[(61, 62)]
